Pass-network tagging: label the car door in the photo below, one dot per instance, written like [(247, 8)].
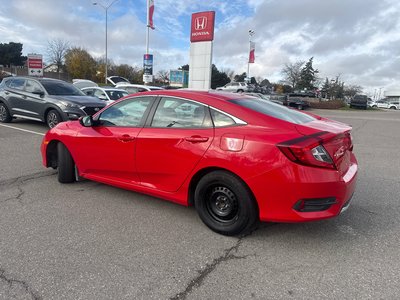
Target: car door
[(34, 99), (15, 96), (172, 143), (107, 150)]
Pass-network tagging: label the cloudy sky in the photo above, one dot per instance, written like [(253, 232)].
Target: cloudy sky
[(356, 39)]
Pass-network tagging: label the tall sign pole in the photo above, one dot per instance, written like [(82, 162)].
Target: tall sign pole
[(148, 58), (251, 54)]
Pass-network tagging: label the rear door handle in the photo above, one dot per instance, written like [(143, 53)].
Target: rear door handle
[(196, 139), (126, 138)]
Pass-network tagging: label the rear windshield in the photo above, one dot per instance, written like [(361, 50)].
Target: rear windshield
[(60, 88), (274, 110)]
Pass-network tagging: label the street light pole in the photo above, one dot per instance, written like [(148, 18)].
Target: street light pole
[(251, 33), (106, 7)]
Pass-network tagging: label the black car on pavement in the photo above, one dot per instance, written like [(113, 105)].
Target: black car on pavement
[(44, 99)]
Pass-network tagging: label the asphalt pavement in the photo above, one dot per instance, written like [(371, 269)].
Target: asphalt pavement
[(91, 241)]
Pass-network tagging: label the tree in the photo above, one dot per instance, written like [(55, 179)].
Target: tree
[(163, 76), (80, 64), (184, 67), (352, 90), (292, 73), (11, 54), (56, 51), (218, 78), (240, 78), (308, 76)]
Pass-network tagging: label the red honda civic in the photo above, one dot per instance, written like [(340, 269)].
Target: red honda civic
[(238, 159)]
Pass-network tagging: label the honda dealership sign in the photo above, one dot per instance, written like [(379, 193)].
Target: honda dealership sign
[(202, 26)]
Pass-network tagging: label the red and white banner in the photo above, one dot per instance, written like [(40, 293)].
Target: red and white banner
[(150, 14), (252, 50)]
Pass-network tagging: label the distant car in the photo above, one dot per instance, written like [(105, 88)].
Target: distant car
[(236, 159), (359, 101), (264, 97), (296, 102), (82, 83), (114, 80), (385, 103), (137, 88), (107, 94), (237, 87), (43, 99)]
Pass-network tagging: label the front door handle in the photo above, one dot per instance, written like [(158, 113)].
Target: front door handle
[(126, 138), (196, 139)]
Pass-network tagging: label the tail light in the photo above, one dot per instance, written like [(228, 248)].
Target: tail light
[(322, 150)]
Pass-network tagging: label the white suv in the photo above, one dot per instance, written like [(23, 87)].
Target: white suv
[(238, 87)]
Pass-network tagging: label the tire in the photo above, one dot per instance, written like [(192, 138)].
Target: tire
[(53, 117), (300, 107), (393, 107), (5, 116), (240, 91), (225, 204), (65, 164)]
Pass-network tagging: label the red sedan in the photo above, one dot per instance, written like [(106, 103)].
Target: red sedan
[(236, 158)]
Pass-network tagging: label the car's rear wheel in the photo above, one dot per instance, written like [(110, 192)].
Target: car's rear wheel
[(65, 164), (5, 116), (53, 118), (240, 91), (300, 107), (225, 204)]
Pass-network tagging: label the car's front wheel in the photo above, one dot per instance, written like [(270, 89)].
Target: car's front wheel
[(5, 116), (225, 204), (65, 164), (53, 118)]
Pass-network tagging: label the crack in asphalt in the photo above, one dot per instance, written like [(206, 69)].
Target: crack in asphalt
[(12, 282), (203, 273)]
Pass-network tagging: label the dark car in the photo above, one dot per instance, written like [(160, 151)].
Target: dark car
[(359, 101), (296, 102), (43, 99)]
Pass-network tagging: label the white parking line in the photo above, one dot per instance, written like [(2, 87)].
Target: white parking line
[(30, 131)]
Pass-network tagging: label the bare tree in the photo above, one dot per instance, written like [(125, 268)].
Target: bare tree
[(163, 76), (292, 73), (56, 51)]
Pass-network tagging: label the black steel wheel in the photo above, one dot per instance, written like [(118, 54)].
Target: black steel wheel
[(53, 118), (225, 204), (5, 116)]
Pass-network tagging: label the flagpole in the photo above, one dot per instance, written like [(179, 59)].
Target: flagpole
[(148, 28), (251, 33)]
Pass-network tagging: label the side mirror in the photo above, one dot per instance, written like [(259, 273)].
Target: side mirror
[(38, 92), (86, 121)]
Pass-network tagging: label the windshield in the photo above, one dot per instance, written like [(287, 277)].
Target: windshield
[(60, 88), (274, 110), (115, 95)]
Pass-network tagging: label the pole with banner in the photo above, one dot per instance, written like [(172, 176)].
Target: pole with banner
[(251, 54), (147, 62)]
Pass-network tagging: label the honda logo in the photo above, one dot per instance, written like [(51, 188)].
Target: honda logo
[(200, 23)]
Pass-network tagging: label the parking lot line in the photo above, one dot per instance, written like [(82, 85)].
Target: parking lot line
[(30, 131)]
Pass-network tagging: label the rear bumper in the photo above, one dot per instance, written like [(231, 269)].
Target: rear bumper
[(279, 200)]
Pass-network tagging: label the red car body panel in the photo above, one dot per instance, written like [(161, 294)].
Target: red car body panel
[(162, 161)]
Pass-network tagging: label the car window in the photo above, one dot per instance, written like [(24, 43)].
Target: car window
[(131, 90), (128, 113), (32, 86), (115, 95), (61, 88), (274, 110), (17, 83), (220, 119), (142, 90), (99, 93), (180, 113)]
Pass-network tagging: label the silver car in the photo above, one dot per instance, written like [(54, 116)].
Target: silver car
[(237, 87)]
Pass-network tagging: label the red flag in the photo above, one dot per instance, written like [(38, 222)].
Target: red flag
[(150, 14), (252, 50)]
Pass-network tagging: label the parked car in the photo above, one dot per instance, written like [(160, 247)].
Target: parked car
[(44, 99), (137, 88), (83, 83), (114, 80), (359, 101), (385, 103), (264, 97), (107, 94), (237, 87), (296, 102), (236, 158)]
